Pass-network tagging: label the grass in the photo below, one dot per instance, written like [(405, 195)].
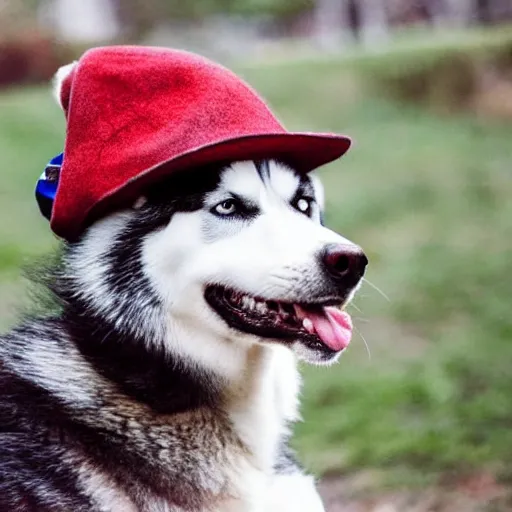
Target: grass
[(31, 132), (429, 199)]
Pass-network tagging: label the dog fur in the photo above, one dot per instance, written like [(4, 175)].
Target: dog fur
[(135, 394)]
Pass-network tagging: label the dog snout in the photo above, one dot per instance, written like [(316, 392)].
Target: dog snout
[(344, 263)]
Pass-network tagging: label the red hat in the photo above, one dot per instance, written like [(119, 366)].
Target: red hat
[(136, 114)]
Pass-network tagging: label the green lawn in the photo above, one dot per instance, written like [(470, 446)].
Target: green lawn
[(429, 200)]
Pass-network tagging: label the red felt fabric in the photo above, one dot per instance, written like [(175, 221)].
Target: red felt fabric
[(136, 114)]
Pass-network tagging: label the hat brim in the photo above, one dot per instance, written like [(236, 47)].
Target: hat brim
[(303, 151)]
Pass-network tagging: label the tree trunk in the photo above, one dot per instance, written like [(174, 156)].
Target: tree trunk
[(461, 13), (90, 21), (374, 22), (331, 24), (436, 12)]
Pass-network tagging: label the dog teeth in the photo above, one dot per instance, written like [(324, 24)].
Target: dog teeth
[(308, 325), (248, 302), (261, 307), (283, 314), (274, 308)]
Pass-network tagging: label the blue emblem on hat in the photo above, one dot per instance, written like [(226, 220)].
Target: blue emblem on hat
[(46, 187)]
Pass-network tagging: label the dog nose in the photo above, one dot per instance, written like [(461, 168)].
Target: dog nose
[(345, 263)]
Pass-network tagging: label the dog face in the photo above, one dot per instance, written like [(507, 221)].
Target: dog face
[(224, 258)]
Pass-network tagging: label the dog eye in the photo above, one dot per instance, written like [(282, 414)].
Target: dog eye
[(304, 205), (227, 207)]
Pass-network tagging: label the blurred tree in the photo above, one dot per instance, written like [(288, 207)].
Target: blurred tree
[(141, 15), (436, 11), (277, 8), (493, 11), (15, 15), (461, 12), (374, 22), (138, 16), (81, 22), (331, 24)]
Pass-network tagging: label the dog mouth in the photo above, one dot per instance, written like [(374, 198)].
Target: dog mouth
[(320, 326)]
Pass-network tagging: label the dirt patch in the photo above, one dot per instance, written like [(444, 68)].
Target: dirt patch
[(494, 96), (478, 493)]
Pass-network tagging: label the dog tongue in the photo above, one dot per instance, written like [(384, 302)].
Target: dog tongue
[(332, 326)]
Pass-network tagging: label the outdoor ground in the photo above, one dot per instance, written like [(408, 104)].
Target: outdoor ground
[(425, 423)]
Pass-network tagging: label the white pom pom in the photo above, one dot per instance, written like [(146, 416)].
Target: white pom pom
[(59, 79)]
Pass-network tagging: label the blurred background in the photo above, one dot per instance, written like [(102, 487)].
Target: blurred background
[(418, 414)]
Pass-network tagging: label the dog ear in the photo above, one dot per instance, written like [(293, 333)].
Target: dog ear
[(62, 84)]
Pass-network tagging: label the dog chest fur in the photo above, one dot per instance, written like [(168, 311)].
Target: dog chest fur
[(264, 400), (224, 455)]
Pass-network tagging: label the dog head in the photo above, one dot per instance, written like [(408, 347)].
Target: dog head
[(221, 258)]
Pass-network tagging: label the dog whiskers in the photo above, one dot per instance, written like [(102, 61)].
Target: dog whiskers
[(365, 343), (273, 289), (361, 319), (376, 288), (355, 307), (289, 279)]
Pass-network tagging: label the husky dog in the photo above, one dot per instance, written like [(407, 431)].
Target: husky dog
[(168, 381), (167, 378)]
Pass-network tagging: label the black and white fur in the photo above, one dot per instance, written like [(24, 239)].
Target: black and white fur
[(137, 395)]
